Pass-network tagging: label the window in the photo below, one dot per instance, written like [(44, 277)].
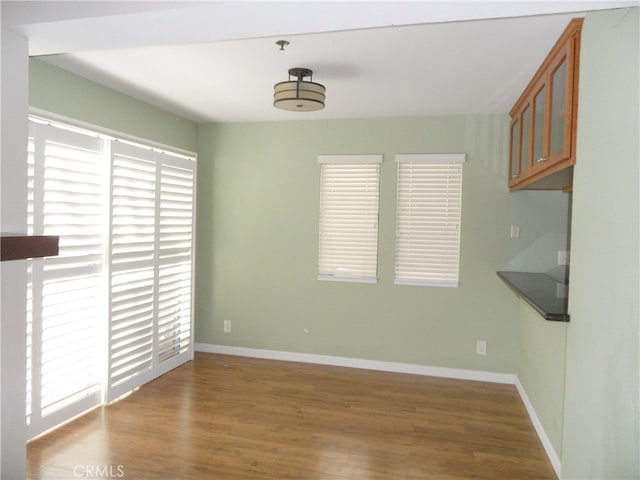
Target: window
[(428, 219), (349, 194), (119, 295)]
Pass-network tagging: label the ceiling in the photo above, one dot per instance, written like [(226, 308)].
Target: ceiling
[(217, 61)]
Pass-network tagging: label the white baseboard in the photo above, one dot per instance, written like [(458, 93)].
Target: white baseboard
[(542, 435), (359, 363)]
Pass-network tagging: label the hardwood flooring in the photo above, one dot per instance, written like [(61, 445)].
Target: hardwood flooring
[(226, 418)]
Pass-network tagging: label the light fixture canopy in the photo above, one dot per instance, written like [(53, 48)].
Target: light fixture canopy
[(299, 95)]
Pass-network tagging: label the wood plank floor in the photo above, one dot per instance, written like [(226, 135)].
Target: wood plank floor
[(223, 417)]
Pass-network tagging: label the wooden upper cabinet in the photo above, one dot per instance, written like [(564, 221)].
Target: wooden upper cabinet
[(543, 120)]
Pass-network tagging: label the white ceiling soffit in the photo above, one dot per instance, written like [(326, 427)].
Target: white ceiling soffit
[(218, 62), (72, 26), (453, 68)]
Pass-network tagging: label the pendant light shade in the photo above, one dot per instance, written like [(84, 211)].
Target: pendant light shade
[(299, 95)]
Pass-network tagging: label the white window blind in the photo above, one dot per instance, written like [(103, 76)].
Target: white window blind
[(428, 219), (66, 178), (349, 198)]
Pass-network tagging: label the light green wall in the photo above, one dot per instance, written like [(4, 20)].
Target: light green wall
[(596, 341), (541, 369), (257, 242), (61, 92), (601, 425), (543, 217)]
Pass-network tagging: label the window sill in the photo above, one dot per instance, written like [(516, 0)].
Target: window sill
[(331, 278)]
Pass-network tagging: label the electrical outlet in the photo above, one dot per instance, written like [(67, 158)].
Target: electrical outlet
[(515, 231), (227, 326), (481, 347)]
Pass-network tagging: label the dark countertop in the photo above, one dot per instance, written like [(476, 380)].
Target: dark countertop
[(548, 296)]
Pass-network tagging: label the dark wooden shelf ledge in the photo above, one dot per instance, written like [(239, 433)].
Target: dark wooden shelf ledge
[(20, 247)]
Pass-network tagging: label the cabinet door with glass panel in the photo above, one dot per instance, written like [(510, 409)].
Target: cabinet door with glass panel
[(561, 105), (539, 131), (520, 145), (553, 112)]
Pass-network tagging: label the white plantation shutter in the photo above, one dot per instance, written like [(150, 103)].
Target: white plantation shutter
[(66, 171), (151, 257), (428, 219), (175, 257), (30, 298), (349, 198), (114, 309), (132, 257)]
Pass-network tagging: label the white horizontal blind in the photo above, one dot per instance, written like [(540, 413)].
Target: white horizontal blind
[(428, 219), (349, 198), (66, 171)]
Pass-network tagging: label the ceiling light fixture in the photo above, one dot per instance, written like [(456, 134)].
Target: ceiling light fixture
[(299, 95), (282, 44)]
